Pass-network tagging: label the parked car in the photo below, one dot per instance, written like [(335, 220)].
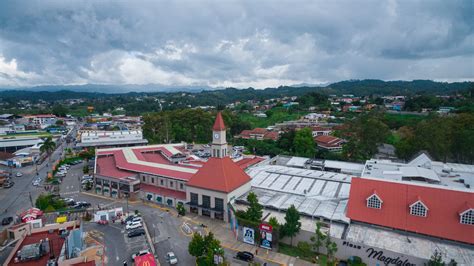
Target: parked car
[(36, 182), (135, 219), (244, 255), (171, 258), (140, 253), (134, 225), (7, 220), (8, 184), (19, 174), (81, 205), (86, 177), (136, 232), (131, 217), (69, 201)]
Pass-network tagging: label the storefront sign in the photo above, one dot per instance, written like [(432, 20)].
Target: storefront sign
[(248, 235), (378, 255)]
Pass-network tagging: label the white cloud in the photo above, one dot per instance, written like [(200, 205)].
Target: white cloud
[(10, 75), (250, 43)]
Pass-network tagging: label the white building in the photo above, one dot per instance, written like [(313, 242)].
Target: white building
[(111, 138)]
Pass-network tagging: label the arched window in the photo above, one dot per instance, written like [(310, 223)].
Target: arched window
[(467, 217), (418, 208), (374, 202)]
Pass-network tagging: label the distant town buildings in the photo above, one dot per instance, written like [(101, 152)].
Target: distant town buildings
[(329, 143), (259, 134)]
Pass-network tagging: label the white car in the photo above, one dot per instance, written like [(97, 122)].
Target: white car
[(19, 174), (140, 253), (171, 258), (133, 225), (135, 220), (36, 183)]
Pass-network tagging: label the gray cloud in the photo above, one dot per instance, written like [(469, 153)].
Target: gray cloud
[(227, 43)]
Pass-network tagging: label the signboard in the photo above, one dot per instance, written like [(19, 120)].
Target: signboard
[(249, 235), (145, 260), (61, 219), (266, 236)]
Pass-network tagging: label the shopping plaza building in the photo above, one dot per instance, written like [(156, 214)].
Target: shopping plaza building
[(406, 210), (170, 174)]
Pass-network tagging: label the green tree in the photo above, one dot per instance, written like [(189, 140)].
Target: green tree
[(436, 259), (364, 135), (59, 122), (59, 110), (305, 248), (285, 142), (48, 146), (331, 249), (292, 223), (273, 222), (304, 143), (180, 208), (196, 246), (318, 238), (255, 210)]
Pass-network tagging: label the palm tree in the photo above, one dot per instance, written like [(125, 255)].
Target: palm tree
[(48, 147)]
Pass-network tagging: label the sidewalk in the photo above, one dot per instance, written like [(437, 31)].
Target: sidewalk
[(226, 237)]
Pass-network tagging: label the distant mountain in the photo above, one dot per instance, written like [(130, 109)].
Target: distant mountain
[(214, 96), (112, 89)]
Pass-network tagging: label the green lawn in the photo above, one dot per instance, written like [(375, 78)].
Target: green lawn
[(296, 252), (277, 115), (396, 121)]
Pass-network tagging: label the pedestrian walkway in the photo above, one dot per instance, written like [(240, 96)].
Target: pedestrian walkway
[(222, 232)]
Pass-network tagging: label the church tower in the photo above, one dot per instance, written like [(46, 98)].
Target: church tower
[(219, 142)]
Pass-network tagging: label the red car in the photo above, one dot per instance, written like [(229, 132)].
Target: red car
[(103, 222)]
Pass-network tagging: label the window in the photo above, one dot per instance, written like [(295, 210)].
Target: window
[(219, 204), (171, 183), (374, 202), (143, 178), (418, 209), (181, 185), (194, 198), (152, 180), (467, 217), (162, 182), (206, 201)]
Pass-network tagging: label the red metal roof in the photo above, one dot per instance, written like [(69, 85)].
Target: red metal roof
[(444, 207), (246, 162), (219, 174), (219, 123), (123, 166), (163, 191), (106, 167)]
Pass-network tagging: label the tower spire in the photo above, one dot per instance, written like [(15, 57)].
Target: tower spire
[(219, 142)]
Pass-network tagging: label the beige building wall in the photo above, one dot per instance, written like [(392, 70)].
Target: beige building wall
[(227, 197)]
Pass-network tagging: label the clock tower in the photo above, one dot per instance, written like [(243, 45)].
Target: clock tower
[(219, 142)]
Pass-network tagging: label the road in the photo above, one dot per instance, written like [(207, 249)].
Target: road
[(23, 194)]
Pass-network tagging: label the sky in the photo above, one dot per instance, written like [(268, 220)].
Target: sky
[(233, 43)]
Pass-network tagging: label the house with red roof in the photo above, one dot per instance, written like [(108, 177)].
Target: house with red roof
[(430, 210), (329, 143), (219, 181), (259, 134)]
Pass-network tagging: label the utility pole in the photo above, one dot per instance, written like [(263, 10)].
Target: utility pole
[(31, 199)]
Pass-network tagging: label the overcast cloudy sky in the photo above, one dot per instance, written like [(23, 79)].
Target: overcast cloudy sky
[(227, 43)]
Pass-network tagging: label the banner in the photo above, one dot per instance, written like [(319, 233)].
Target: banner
[(266, 236), (248, 235)]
